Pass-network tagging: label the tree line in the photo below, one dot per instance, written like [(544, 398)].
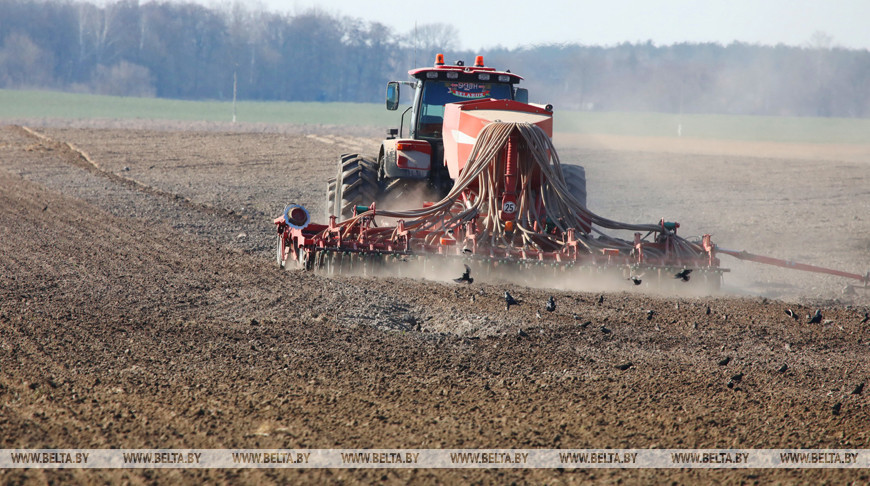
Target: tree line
[(185, 50)]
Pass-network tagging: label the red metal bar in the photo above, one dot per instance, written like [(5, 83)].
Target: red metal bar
[(509, 199), (743, 255), (638, 246)]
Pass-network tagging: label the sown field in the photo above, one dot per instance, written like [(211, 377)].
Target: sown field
[(141, 307)]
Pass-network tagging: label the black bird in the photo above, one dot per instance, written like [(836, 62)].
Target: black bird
[(605, 330), (466, 276), (724, 361), (816, 318), (791, 314), (509, 300), (836, 408), (783, 368), (858, 389), (636, 280), (551, 304), (684, 275), (734, 380), (600, 299), (649, 314), (625, 366)]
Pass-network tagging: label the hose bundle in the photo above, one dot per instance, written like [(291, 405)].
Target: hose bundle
[(548, 202)]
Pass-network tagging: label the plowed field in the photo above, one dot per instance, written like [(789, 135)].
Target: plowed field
[(141, 307)]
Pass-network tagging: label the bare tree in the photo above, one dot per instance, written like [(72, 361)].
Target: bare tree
[(820, 41), (183, 49), (431, 39), (124, 79), (23, 64)]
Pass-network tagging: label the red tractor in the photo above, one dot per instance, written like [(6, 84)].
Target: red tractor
[(499, 195), (406, 165)]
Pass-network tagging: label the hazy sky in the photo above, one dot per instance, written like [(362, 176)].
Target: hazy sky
[(512, 23)]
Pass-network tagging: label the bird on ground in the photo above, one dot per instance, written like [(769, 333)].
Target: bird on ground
[(836, 408), (538, 314), (466, 276), (509, 300), (551, 304), (684, 275), (783, 368), (605, 330), (636, 279), (858, 389), (816, 318), (624, 366), (735, 380), (791, 314), (724, 361)]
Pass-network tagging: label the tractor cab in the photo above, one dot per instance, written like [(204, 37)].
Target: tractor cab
[(434, 94), (419, 154), (441, 84)]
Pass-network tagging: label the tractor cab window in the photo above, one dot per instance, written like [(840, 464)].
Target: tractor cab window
[(436, 94)]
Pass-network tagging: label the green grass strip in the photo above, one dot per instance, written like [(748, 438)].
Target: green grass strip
[(16, 104)]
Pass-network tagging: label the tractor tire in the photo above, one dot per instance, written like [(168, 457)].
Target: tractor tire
[(403, 194), (575, 178), (356, 184), (329, 210)]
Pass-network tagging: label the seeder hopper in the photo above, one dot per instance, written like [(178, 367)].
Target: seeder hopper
[(510, 206)]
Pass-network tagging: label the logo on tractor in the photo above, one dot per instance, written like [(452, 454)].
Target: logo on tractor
[(509, 207), (469, 90)]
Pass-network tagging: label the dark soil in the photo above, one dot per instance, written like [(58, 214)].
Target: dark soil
[(141, 307)]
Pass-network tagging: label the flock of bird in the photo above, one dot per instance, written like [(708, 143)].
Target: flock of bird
[(509, 300), (683, 275), (636, 279), (551, 302)]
